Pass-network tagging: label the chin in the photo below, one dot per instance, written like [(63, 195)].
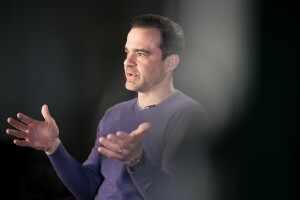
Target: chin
[(130, 87)]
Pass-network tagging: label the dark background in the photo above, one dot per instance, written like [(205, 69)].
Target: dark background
[(69, 55)]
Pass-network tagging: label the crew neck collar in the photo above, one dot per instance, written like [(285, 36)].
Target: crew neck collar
[(154, 105)]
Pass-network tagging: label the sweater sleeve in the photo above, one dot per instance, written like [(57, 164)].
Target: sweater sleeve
[(82, 180), (154, 183), (166, 182)]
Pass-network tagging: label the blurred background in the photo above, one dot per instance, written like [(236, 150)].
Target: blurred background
[(241, 64)]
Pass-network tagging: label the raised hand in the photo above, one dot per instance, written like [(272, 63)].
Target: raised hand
[(123, 146), (42, 135)]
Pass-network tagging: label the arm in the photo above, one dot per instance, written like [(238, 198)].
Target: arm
[(155, 182), (82, 180), (169, 181), (151, 181)]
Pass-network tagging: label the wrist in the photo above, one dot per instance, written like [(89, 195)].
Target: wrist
[(54, 146), (137, 163)]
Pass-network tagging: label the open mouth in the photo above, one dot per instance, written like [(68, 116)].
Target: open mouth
[(131, 75)]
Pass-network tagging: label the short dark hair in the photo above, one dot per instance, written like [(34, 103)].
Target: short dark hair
[(172, 36)]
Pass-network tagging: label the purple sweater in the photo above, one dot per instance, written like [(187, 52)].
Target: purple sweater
[(100, 177)]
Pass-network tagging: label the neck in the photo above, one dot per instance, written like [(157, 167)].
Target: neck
[(154, 98)]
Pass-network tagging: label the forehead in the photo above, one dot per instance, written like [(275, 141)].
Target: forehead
[(143, 37)]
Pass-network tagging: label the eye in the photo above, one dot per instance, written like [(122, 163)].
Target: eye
[(141, 54)]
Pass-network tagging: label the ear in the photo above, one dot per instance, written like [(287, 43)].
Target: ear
[(171, 62)]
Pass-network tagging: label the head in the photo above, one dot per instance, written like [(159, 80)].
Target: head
[(152, 49), (172, 37)]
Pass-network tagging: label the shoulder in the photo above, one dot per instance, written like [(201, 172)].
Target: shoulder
[(121, 107), (183, 102)]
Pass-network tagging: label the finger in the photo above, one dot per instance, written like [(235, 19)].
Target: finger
[(122, 135), (141, 129), (21, 143), (24, 118), (46, 113), (110, 154), (127, 140), (16, 133), (120, 155), (18, 125), (114, 139), (109, 145)]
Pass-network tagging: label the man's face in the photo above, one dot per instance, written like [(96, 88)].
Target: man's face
[(144, 68)]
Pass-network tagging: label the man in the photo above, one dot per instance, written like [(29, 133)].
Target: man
[(134, 156)]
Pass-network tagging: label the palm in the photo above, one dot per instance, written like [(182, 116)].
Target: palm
[(41, 133), (34, 133)]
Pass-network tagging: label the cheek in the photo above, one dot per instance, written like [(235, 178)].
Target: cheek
[(151, 69), (144, 73)]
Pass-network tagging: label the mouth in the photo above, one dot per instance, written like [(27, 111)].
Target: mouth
[(131, 75)]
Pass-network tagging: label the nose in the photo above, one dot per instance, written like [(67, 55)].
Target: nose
[(129, 60)]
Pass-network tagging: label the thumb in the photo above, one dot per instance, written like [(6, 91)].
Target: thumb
[(141, 129), (45, 112)]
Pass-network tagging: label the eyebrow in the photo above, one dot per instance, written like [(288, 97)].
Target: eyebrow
[(139, 50)]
